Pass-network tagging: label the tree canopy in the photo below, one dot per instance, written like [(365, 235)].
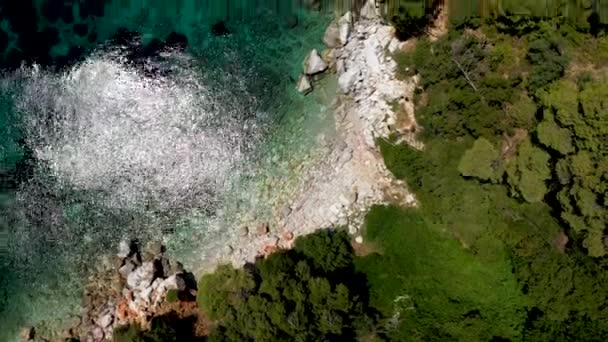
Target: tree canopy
[(310, 293)]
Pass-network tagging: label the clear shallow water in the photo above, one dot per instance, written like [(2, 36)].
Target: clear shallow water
[(175, 145)]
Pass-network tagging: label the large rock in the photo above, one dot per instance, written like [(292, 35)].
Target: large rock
[(369, 10), (385, 34), (142, 276), (126, 269), (344, 27), (106, 320), (174, 282), (331, 39), (97, 334), (314, 63), (304, 86), (27, 334), (124, 249)]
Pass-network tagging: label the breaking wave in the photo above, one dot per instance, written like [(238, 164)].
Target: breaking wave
[(139, 138)]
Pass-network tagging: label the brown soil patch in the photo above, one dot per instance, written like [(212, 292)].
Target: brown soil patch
[(365, 248), (508, 149)]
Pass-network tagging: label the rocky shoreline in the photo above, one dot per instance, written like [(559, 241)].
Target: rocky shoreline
[(371, 104), (131, 287), (350, 177)]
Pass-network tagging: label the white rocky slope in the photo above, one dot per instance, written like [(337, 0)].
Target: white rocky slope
[(352, 176)]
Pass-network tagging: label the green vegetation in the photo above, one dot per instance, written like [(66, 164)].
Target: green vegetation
[(166, 328), (433, 288), (310, 293), (482, 161), (515, 154), (172, 296)]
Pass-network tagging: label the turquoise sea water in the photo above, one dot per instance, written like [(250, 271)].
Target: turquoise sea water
[(168, 131)]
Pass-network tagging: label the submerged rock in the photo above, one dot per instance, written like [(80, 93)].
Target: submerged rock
[(28, 334), (304, 86), (314, 63)]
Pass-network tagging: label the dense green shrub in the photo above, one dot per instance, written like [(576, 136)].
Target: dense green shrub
[(310, 293), (553, 148), (172, 296), (438, 290), (166, 328)]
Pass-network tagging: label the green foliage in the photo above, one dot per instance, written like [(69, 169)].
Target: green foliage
[(482, 161), (166, 328), (310, 293), (470, 96), (555, 137), (221, 291), (326, 251), (565, 167), (128, 333), (439, 291), (582, 177), (528, 173), (522, 113), (548, 63), (172, 296)]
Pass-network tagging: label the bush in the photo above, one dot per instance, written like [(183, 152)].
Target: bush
[(172, 296), (310, 293)]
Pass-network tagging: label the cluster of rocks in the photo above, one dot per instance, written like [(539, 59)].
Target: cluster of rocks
[(129, 289)]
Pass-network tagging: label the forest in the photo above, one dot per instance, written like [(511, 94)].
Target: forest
[(509, 242)]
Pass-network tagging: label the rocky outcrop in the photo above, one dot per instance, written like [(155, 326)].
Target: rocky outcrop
[(348, 174), (129, 290), (314, 64), (304, 86)]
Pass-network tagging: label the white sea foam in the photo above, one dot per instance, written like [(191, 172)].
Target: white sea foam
[(139, 138)]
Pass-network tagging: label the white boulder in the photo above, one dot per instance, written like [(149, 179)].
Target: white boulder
[(304, 86), (344, 27), (124, 249), (369, 10), (174, 282), (331, 39), (314, 63), (385, 34), (142, 277)]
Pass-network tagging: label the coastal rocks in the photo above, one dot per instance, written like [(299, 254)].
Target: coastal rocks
[(314, 64), (130, 291), (344, 27), (142, 277), (369, 10), (304, 86), (124, 250), (338, 31), (27, 334), (331, 39)]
